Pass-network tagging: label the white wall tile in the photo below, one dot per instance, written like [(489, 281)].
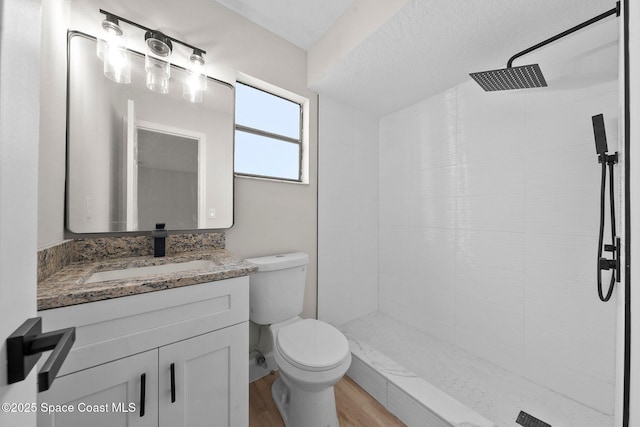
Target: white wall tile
[(494, 285), (334, 302), (562, 256), (436, 120), (393, 237), (433, 182), (366, 214), (348, 213), (394, 186), (594, 97), (568, 301), (571, 168), (490, 332), (493, 176), (496, 212), (365, 296), (337, 176), (491, 248), (365, 132), (489, 126), (335, 240), (570, 346), (583, 388), (550, 127), (337, 211), (434, 212), (430, 254), (394, 212), (563, 212), (364, 261)]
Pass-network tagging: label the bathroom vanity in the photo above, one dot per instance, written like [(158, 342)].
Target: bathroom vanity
[(159, 341), (171, 357)]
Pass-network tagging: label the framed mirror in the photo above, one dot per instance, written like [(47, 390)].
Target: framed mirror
[(136, 157)]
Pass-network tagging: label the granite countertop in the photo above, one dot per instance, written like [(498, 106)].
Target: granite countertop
[(67, 286)]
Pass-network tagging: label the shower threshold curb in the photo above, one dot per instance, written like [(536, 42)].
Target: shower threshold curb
[(410, 398)]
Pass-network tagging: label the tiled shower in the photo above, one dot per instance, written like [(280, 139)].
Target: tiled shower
[(486, 224)]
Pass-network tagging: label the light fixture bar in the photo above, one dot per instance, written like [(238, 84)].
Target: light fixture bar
[(142, 27)]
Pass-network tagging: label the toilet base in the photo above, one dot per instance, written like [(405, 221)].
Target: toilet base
[(301, 408)]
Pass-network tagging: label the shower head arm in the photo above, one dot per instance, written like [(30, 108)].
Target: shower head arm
[(615, 10)]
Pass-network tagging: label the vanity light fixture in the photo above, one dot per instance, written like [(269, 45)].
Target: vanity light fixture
[(157, 66)]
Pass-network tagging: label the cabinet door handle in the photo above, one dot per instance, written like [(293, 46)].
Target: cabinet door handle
[(173, 383), (143, 386)]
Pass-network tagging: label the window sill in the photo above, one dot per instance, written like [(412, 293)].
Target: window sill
[(260, 178)]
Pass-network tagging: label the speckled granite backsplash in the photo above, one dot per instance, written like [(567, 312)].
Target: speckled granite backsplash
[(54, 259)]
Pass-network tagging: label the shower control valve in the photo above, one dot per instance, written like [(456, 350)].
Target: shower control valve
[(611, 264), (607, 264)]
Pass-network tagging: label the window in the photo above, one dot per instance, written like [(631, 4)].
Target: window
[(268, 140)]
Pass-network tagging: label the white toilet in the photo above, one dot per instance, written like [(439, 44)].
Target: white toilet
[(312, 355)]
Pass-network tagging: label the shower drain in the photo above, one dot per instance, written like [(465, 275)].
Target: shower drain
[(528, 420)]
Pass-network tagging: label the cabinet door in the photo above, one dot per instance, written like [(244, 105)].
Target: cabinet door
[(107, 395), (211, 380)]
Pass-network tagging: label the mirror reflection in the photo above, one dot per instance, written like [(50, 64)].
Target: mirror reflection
[(136, 158)]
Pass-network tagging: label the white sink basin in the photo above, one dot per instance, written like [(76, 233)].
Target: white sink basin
[(127, 273)]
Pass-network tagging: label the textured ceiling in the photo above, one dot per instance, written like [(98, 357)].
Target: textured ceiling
[(422, 49), (302, 22), (431, 45)]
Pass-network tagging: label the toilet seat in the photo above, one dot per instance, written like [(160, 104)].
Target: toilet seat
[(312, 345)]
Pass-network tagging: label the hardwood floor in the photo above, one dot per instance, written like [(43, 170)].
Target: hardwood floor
[(355, 406)]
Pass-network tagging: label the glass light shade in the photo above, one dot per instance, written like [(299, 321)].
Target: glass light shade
[(158, 74), (117, 66), (158, 70), (195, 82), (111, 49), (108, 33), (101, 46)]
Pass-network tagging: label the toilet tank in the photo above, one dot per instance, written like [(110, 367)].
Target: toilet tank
[(277, 288)]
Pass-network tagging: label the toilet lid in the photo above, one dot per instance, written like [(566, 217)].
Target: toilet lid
[(312, 345)]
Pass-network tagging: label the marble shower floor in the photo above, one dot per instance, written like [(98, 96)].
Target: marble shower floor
[(493, 392)]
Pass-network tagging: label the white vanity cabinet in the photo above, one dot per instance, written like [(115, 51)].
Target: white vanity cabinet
[(100, 396), (210, 382), (190, 343)]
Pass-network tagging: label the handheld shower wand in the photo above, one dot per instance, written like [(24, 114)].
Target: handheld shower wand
[(606, 160)]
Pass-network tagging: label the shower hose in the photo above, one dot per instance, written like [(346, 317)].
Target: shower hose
[(612, 282)]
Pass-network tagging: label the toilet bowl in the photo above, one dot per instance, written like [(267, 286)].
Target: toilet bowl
[(312, 355)]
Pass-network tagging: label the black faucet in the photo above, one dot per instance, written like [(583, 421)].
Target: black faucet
[(159, 240)]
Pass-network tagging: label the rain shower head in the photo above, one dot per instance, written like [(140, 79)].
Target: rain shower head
[(528, 76), (523, 77)]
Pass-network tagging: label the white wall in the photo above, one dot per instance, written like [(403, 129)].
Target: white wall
[(489, 208), (347, 213), (19, 118), (51, 168)]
